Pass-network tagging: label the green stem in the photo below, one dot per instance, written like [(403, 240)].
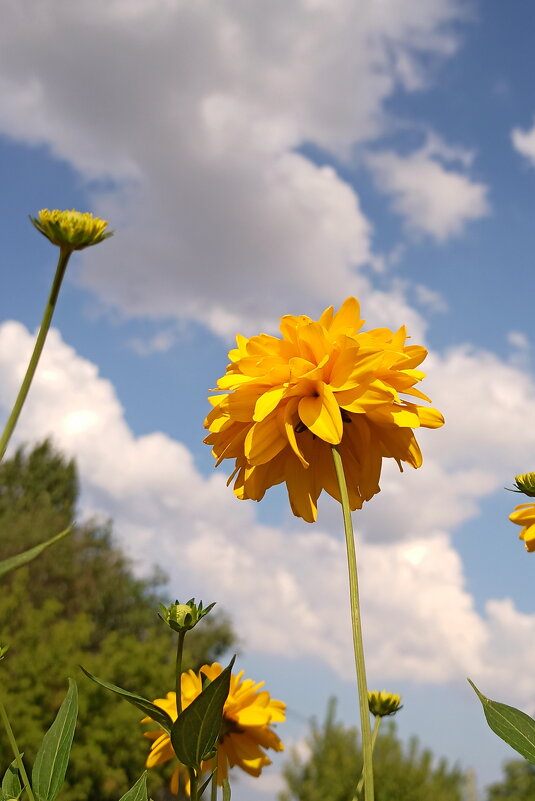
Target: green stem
[(213, 791), (16, 752), (64, 256), (178, 671), (193, 781), (356, 625), (375, 732)]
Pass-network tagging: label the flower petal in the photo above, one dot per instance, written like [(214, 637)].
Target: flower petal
[(322, 414)]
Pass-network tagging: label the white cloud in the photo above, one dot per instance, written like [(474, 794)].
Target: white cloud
[(286, 586), (524, 143), (431, 198), (195, 111)]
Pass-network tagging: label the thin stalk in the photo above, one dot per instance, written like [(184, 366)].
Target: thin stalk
[(213, 790), (64, 256), (178, 671), (375, 732), (16, 752), (193, 785), (356, 626)]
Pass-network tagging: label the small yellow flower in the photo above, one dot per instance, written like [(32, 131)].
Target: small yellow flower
[(248, 714), (524, 515), (287, 400), (525, 483), (71, 230), (382, 703)]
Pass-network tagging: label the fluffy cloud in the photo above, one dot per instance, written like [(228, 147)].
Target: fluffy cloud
[(432, 199), (425, 627), (524, 143), (193, 115)]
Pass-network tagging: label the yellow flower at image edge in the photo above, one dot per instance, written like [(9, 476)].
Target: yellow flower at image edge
[(247, 715), (71, 230), (287, 400), (524, 515)]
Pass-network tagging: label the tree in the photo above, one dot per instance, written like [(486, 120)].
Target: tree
[(518, 783), (333, 765), (80, 603)]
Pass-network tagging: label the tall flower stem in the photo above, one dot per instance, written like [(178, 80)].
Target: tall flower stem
[(193, 785), (16, 752), (64, 256), (356, 625), (178, 670), (375, 732)]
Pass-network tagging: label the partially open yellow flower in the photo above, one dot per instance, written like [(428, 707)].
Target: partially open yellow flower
[(248, 714), (71, 230), (288, 400), (524, 515), (382, 703)]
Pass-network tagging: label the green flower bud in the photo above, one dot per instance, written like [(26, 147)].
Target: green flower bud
[(183, 617), (525, 483), (71, 230), (382, 703)]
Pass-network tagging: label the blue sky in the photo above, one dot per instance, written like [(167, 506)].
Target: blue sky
[(272, 158)]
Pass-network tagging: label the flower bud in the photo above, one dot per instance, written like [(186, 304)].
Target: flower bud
[(382, 703), (183, 617), (525, 483), (71, 230)]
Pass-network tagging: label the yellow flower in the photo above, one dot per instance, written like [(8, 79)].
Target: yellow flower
[(247, 715), (525, 483), (524, 515), (382, 703), (71, 230), (289, 399)]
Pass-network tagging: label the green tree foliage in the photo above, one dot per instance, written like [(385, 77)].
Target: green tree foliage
[(518, 783), (330, 770), (80, 603)]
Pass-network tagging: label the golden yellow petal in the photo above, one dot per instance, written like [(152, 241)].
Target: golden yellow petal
[(267, 402), (322, 415), (263, 441)]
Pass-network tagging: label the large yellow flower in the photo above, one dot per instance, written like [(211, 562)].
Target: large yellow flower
[(524, 515), (247, 715), (287, 400)]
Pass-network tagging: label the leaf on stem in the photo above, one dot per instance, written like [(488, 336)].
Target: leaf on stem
[(11, 783), (52, 757), (26, 556), (147, 707), (512, 725), (195, 731), (139, 790)]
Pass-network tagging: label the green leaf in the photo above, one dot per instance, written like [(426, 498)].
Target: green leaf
[(512, 725), (205, 784), (11, 784), (195, 732), (26, 556), (226, 790), (138, 792), (147, 707), (52, 757)]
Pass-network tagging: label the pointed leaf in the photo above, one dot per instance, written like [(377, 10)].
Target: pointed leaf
[(138, 792), (147, 707), (195, 732), (52, 757), (26, 556), (512, 725), (11, 784), (205, 784), (226, 790)]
